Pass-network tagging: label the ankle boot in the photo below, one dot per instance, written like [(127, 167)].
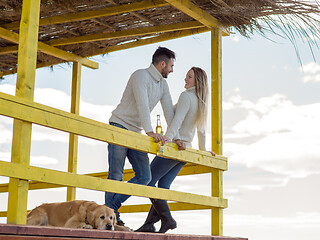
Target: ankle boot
[(163, 210), (148, 225)]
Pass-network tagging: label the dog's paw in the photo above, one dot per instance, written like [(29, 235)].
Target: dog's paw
[(86, 226), (122, 228)]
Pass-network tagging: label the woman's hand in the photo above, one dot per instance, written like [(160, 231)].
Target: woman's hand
[(212, 153), (181, 144)]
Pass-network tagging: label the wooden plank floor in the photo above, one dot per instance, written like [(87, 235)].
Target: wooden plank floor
[(23, 232)]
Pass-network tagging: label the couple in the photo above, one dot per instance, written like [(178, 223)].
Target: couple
[(145, 88)]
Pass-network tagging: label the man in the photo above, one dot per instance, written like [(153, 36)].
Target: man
[(145, 88)]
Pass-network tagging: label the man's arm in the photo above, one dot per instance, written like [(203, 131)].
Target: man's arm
[(140, 93)]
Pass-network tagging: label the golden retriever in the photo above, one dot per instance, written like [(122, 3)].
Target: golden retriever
[(75, 214)]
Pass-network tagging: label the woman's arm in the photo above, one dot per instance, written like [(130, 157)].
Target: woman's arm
[(182, 109)]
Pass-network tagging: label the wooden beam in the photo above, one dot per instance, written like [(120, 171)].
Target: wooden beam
[(216, 125), (175, 206), (10, 49), (87, 182), (73, 139), (56, 52), (71, 123), (198, 14), (151, 40), (136, 43), (125, 33), (21, 140), (188, 169), (105, 12)]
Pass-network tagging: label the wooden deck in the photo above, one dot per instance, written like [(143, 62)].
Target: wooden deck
[(22, 232)]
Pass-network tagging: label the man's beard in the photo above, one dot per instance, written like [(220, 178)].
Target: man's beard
[(164, 73)]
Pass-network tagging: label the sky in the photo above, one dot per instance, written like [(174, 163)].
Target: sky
[(271, 134)]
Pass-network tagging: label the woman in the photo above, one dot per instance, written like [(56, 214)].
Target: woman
[(190, 113)]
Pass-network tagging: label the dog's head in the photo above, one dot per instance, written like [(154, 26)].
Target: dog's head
[(102, 217)]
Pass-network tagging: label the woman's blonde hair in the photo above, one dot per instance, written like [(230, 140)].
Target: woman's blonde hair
[(202, 93)]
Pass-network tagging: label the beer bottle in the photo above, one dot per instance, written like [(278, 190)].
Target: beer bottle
[(158, 127)]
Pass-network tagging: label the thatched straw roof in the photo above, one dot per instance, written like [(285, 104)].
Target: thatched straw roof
[(291, 17)]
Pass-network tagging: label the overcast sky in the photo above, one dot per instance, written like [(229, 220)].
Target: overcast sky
[(271, 115)]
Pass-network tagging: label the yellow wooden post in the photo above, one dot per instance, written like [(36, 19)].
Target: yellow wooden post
[(73, 139), (216, 125), (21, 142)]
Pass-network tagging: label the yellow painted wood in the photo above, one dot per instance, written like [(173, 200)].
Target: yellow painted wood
[(21, 142), (188, 169), (54, 118), (198, 14), (216, 125), (87, 182), (73, 139), (125, 33), (151, 40), (105, 12), (56, 52), (6, 50), (137, 43), (174, 206)]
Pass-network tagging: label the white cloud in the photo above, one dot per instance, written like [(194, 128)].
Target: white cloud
[(43, 160), (236, 38), (60, 100), (34, 160), (311, 72), (299, 220), (285, 138)]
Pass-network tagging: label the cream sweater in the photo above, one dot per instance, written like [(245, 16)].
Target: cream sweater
[(145, 88), (184, 121)]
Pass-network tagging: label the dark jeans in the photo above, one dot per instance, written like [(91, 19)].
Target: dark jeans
[(164, 171), (140, 165)]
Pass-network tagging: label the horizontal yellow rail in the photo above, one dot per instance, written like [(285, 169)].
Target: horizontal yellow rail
[(175, 206), (188, 169), (21, 109), (26, 172)]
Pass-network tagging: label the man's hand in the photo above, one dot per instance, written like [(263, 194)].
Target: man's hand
[(181, 144), (158, 137)]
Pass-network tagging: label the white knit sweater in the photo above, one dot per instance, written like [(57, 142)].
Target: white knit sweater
[(184, 121), (145, 88)]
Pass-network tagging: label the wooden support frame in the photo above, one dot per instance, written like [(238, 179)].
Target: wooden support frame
[(125, 33), (188, 169), (73, 139), (198, 14), (216, 125), (21, 142), (26, 112), (137, 43), (45, 48), (57, 119), (87, 182)]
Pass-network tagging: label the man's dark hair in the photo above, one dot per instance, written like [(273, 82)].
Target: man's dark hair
[(162, 54)]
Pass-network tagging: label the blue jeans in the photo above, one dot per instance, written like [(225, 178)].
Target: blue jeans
[(164, 171), (140, 165)]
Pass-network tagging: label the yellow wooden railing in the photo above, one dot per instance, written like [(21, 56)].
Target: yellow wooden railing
[(26, 112)]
